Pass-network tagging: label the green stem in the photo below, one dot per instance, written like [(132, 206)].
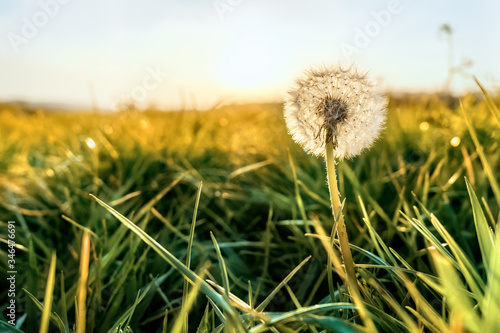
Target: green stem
[(345, 249)]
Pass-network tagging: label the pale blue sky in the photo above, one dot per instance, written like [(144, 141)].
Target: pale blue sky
[(249, 50)]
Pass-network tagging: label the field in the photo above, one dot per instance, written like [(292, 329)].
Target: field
[(216, 221)]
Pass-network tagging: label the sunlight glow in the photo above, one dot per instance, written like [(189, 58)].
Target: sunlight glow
[(90, 143), (223, 122), (108, 129), (424, 126), (455, 141), (453, 179)]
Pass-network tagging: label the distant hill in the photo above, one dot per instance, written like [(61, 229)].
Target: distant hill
[(30, 107)]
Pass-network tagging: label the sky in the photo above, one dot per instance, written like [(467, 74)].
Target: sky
[(198, 53)]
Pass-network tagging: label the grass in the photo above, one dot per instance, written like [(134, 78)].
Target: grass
[(217, 222)]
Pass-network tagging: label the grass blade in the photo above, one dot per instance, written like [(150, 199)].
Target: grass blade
[(480, 151), (49, 294), (491, 307), (177, 264), (471, 275), (81, 318), (295, 315), (225, 279), (355, 294), (270, 297), (484, 234), (185, 291), (249, 168), (187, 304), (353, 179), (122, 322), (8, 328), (489, 102), (460, 304), (54, 316)]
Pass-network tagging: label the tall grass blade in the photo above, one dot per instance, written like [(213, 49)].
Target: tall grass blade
[(491, 307), (185, 291), (187, 305), (474, 281), (489, 102), (122, 323), (49, 296), (56, 319), (81, 319), (353, 179), (460, 304), (298, 197), (270, 297), (223, 268), (484, 234), (480, 151), (376, 240), (389, 299), (177, 264), (147, 207), (62, 304)]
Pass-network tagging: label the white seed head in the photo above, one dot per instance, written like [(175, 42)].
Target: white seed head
[(334, 104)]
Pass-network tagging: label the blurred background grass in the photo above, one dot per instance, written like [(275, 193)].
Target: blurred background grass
[(148, 166)]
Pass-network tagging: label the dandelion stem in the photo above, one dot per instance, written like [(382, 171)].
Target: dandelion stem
[(339, 219)]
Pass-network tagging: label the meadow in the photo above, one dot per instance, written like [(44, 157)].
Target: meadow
[(216, 221)]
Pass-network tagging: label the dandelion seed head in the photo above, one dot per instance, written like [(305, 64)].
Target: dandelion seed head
[(333, 104)]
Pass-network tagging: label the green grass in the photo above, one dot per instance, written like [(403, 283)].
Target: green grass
[(217, 222)]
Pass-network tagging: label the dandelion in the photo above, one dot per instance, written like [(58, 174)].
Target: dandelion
[(332, 104), (336, 113)]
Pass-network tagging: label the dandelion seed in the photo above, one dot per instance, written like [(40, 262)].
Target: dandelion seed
[(332, 104)]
